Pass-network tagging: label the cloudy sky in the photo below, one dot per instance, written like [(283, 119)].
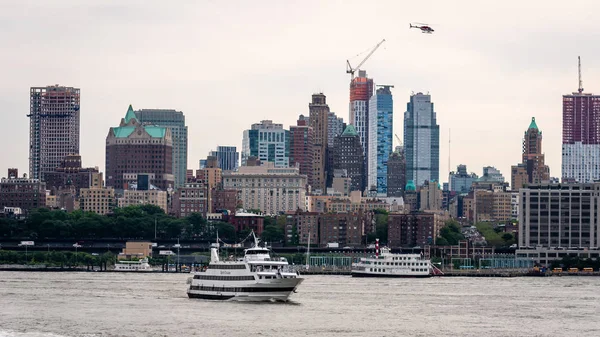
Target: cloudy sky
[(228, 64)]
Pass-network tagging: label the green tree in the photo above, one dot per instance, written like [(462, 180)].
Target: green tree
[(272, 234)]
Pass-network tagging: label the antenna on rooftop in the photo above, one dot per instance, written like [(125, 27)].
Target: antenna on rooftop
[(449, 138), (579, 69)]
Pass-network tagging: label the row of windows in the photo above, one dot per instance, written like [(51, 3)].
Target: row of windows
[(227, 266), (223, 278), (240, 289)]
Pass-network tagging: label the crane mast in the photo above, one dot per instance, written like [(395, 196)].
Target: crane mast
[(351, 71)]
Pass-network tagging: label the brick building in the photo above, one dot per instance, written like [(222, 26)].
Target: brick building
[(414, 228), (301, 147), (191, 198), (225, 200), (243, 221), (69, 173), (23, 193), (97, 198), (133, 148)]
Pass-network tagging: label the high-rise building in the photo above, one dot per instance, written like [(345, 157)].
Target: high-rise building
[(227, 157), (302, 143), (319, 120), (532, 169), (133, 148), (175, 121), (581, 136), (361, 90), (267, 188), (396, 173), (348, 155), (53, 127), (335, 127), (461, 180), (380, 137), (267, 141), (421, 140)]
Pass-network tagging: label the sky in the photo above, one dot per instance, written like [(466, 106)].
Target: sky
[(489, 67)]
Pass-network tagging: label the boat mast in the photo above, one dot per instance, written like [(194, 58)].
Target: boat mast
[(308, 251)]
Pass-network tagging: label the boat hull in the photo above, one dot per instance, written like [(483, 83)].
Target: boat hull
[(258, 292), (362, 274)]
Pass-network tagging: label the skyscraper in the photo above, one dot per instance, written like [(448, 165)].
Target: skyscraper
[(267, 141), (227, 157), (319, 120), (302, 147), (461, 181), (349, 156), (421, 140), (175, 121), (396, 173), (581, 136), (532, 169), (53, 127), (133, 148), (335, 128), (361, 90), (380, 126)]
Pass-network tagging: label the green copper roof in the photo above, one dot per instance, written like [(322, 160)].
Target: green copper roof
[(156, 131), (130, 114), (533, 125), (123, 131), (350, 131), (410, 186)]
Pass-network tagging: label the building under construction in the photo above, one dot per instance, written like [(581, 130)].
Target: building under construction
[(53, 127)]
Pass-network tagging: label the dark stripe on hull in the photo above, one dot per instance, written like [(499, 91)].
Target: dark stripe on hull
[(389, 275), (243, 289), (210, 297)]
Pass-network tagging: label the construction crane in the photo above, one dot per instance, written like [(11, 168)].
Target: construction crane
[(398, 139), (351, 71)]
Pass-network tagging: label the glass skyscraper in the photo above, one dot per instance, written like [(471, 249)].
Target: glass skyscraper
[(174, 120), (421, 140), (380, 137), (268, 142), (227, 157)]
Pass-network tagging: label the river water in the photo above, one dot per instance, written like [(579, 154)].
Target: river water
[(110, 304)]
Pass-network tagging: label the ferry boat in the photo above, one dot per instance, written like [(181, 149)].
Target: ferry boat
[(386, 264), (255, 277), (140, 265)]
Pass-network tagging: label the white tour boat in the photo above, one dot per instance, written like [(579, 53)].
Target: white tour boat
[(255, 277), (140, 265), (387, 264)]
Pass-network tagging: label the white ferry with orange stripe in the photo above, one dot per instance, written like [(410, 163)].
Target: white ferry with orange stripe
[(386, 264), (255, 277)]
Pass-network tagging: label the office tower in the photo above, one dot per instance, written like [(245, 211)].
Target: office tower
[(319, 120), (581, 136), (461, 181), (175, 121), (335, 127), (349, 156), (53, 127), (301, 147), (532, 169), (267, 141), (396, 173), (227, 157), (133, 148), (361, 90), (421, 140), (380, 137)]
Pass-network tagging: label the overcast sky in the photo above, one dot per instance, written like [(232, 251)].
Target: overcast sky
[(228, 64)]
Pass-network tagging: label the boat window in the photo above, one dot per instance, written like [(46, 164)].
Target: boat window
[(223, 278)]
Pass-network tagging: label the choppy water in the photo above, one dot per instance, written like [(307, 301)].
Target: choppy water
[(109, 304)]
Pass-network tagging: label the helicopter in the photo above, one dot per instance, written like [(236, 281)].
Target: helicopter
[(425, 29)]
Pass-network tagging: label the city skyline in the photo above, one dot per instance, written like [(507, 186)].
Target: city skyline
[(499, 103)]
